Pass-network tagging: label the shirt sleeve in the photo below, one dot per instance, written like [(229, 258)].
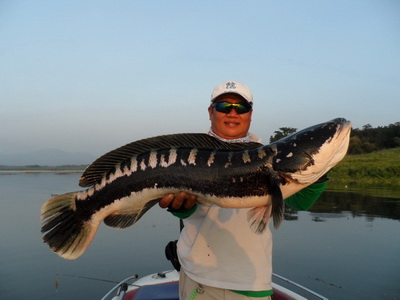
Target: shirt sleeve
[(183, 213), (305, 198)]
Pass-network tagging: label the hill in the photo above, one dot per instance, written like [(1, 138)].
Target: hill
[(46, 157)]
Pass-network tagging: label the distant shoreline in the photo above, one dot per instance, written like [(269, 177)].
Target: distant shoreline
[(28, 171), (40, 168)]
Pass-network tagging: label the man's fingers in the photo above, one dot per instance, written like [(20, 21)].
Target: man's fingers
[(178, 200), (190, 201), (166, 200), (181, 199)]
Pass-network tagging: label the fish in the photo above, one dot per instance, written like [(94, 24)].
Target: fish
[(123, 184)]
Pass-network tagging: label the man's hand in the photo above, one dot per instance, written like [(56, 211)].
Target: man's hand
[(181, 200)]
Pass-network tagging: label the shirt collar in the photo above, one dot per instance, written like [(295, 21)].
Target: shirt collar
[(245, 139)]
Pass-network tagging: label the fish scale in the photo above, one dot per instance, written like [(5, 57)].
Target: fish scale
[(125, 183)]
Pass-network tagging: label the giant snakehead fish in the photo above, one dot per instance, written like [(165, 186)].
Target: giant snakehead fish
[(125, 183)]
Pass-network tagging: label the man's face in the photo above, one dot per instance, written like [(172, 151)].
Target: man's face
[(231, 125)]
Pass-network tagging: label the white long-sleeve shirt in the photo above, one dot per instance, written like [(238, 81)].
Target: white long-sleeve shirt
[(217, 248)]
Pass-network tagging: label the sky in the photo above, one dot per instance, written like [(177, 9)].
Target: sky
[(90, 76)]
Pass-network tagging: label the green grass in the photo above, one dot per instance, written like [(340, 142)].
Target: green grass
[(376, 168)]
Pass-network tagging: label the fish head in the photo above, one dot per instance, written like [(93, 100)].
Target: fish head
[(310, 153)]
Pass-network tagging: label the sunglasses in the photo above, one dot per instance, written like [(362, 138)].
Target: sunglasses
[(226, 107)]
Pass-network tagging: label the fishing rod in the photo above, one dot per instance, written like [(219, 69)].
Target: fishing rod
[(84, 277)]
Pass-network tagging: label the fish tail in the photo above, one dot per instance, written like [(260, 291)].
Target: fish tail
[(66, 233)]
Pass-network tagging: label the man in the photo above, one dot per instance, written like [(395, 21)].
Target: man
[(220, 256)]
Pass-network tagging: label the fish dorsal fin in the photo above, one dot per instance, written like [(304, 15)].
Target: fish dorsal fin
[(94, 172)]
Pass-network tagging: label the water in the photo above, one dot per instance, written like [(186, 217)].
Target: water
[(346, 247)]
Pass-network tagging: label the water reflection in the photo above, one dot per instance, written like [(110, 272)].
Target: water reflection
[(307, 251), (337, 204)]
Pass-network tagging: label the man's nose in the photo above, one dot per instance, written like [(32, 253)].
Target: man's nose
[(232, 113)]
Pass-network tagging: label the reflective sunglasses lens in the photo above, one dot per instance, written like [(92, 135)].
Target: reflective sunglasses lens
[(242, 108), (226, 107), (223, 107)]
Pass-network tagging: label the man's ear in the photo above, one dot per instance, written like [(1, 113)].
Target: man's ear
[(210, 111), (251, 114)]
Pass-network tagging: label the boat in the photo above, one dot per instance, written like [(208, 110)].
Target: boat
[(165, 285)]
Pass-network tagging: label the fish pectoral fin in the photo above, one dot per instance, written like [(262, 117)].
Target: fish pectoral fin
[(278, 203), (123, 220), (258, 218)]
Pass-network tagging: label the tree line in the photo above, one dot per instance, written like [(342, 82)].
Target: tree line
[(365, 140), (369, 139)]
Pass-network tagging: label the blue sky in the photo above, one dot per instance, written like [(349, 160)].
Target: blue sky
[(90, 76)]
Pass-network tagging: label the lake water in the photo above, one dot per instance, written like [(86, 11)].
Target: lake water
[(346, 247)]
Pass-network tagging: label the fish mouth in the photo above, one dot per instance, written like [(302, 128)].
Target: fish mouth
[(344, 127), (344, 133)]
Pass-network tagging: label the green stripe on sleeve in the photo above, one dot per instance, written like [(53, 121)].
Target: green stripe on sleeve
[(254, 294)]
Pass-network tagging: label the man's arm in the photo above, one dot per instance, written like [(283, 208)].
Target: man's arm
[(305, 198)]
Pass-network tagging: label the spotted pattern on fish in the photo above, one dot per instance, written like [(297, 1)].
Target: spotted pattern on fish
[(153, 160), (246, 157), (211, 159), (232, 160), (229, 160), (192, 156), (171, 158), (261, 153)]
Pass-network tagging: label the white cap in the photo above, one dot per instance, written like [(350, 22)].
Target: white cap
[(232, 86)]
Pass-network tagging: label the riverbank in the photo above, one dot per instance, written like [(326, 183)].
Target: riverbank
[(376, 168)]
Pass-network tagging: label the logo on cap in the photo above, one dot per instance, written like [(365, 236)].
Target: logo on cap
[(230, 85)]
